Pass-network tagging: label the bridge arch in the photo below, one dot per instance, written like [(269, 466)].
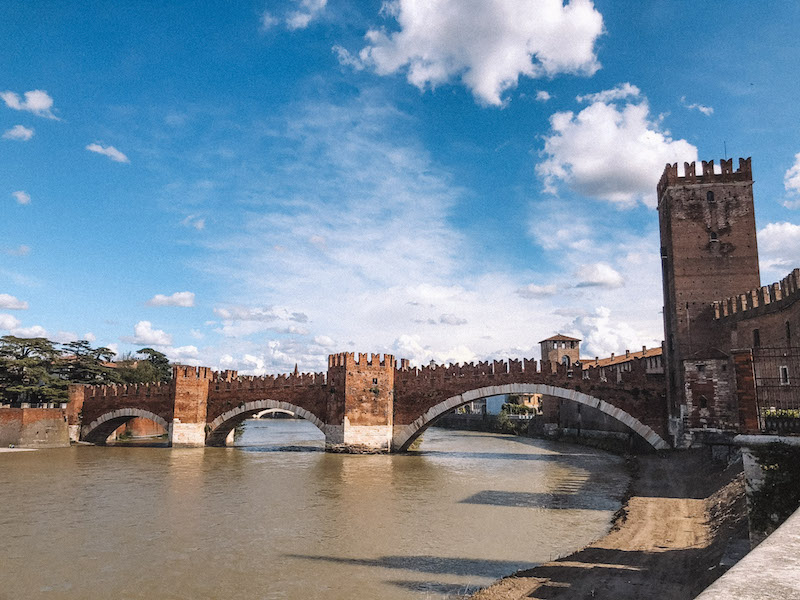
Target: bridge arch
[(97, 431), (270, 411), (220, 427), (404, 437)]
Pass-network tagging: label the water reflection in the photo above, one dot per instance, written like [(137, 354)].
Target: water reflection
[(265, 522)]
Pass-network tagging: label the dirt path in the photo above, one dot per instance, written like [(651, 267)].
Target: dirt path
[(664, 546)]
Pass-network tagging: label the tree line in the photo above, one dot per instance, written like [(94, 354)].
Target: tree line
[(39, 370)]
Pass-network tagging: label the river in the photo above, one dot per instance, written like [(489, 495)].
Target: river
[(277, 518)]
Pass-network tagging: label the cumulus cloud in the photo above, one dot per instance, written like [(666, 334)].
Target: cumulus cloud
[(181, 353), (601, 334), (537, 291), (779, 249), (36, 101), (543, 96), (22, 197), (36, 331), (324, 341), (8, 322), (108, 151), (268, 20), (621, 92), (18, 132), (488, 44), (791, 180), (307, 12), (599, 274), (145, 335), (185, 299), (9, 302), (610, 152), (89, 337), (706, 110)]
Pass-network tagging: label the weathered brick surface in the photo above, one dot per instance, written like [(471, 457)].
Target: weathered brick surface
[(33, 427), (364, 392)]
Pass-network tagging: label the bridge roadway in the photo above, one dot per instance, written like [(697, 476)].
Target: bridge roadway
[(362, 401)]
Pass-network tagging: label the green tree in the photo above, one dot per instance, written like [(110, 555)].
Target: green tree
[(152, 368), (27, 371), (80, 363)]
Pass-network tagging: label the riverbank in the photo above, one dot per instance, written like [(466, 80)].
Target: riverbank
[(667, 541), (17, 449)]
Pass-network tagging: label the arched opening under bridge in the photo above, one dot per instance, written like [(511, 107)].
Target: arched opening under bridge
[(274, 412), (97, 431), (220, 428), (404, 437)]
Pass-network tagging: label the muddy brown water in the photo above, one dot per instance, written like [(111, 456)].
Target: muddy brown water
[(277, 518)]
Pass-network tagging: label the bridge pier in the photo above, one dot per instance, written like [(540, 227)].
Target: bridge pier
[(188, 426)]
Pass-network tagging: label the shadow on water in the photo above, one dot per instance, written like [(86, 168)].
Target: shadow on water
[(569, 500), (467, 567), (280, 448)]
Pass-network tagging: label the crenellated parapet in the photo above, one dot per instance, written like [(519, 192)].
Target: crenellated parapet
[(754, 303), (362, 360), (670, 175)]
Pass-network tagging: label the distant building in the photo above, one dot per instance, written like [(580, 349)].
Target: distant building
[(561, 349)]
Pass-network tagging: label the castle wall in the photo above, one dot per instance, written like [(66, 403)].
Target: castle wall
[(33, 428)]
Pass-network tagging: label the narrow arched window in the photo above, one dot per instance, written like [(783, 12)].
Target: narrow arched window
[(710, 197)]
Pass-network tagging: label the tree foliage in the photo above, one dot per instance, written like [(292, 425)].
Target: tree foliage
[(36, 370)]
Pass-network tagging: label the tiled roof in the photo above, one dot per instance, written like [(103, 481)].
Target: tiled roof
[(560, 338), (615, 360)]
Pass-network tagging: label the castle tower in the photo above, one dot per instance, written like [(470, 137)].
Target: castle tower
[(361, 407), (191, 399), (560, 350), (708, 252)]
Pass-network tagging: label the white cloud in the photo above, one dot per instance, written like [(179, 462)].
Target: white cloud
[(601, 334), (599, 274), (268, 21), (308, 11), (778, 249), (537, 291), (8, 321), (22, 197), (145, 335), (89, 337), (9, 302), (108, 151), (543, 96), (489, 44), (621, 92), (195, 222), (36, 331), (36, 101), (610, 153), (181, 353), (64, 337), (450, 319), (324, 341), (185, 299), (791, 180), (18, 132), (706, 110), (346, 58)]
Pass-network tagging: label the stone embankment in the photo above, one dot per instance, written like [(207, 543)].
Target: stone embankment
[(667, 542)]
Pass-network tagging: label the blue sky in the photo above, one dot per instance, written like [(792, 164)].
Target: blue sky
[(254, 185)]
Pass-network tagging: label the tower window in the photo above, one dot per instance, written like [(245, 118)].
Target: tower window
[(713, 236), (756, 338), (783, 372), (703, 402), (710, 197)]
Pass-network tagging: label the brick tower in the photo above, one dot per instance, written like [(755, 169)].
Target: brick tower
[(708, 252), (560, 350)]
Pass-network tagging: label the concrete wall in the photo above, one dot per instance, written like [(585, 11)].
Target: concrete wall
[(771, 571), (33, 427)]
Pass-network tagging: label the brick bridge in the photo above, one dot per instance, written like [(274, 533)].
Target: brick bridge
[(362, 400)]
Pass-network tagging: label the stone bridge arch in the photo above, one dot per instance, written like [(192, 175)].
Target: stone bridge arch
[(220, 427), (97, 431), (269, 411), (405, 435)]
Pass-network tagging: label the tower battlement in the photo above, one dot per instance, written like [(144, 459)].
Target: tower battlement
[(348, 359), (671, 178), (769, 298), (189, 372)]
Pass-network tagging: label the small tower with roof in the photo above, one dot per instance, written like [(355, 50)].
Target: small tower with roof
[(561, 349)]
